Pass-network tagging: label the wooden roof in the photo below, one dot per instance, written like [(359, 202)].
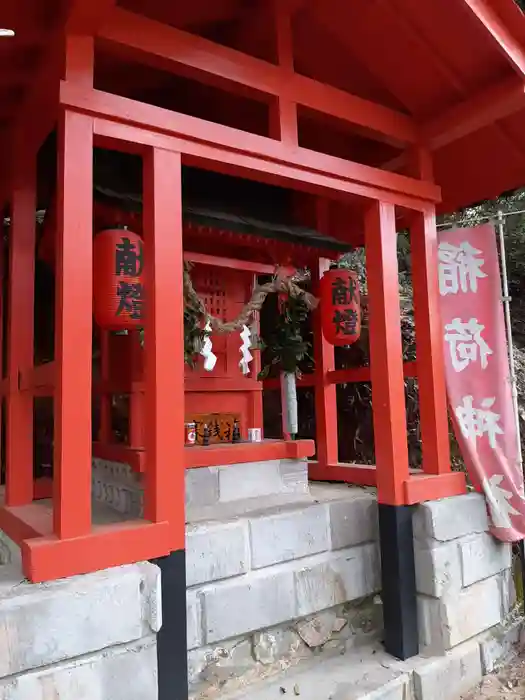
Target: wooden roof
[(457, 67)]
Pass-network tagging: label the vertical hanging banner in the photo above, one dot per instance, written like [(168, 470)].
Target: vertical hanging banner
[(477, 373)]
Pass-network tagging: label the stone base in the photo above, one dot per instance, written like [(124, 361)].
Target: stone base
[(84, 638), (117, 486), (463, 575)]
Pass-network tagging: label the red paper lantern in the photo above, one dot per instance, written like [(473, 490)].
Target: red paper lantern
[(118, 290), (340, 307)]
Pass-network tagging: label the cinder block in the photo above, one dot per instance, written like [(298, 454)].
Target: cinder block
[(122, 673), (294, 475), (354, 573), (482, 556), (353, 521), (43, 624), (508, 592), (193, 620), (438, 568), (499, 644), (451, 518), (449, 621), (253, 602), (215, 551), (202, 487), (449, 676), (250, 480), (289, 535)]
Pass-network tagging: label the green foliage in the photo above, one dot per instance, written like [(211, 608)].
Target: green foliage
[(285, 347)]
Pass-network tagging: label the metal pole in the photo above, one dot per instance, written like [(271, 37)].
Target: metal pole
[(506, 306), (506, 299)]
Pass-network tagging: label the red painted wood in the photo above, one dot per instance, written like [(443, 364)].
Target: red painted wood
[(316, 168), (168, 48), (164, 344), (425, 487), (48, 558), (429, 339), (386, 358), (326, 419), (21, 523), (363, 374), (233, 263), (484, 108), (39, 377), (19, 425), (80, 59), (42, 488), (196, 457), (488, 14), (73, 329), (105, 400), (363, 475)]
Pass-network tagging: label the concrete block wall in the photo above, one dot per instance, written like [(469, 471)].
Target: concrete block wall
[(463, 574), (262, 570), (85, 637), (272, 569)]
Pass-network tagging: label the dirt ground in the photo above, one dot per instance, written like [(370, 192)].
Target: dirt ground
[(508, 684)]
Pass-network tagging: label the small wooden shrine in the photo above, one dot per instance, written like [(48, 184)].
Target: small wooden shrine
[(364, 117)]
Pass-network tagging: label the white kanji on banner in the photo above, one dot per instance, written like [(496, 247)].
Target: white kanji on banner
[(476, 422), (498, 500), (466, 343), (459, 268)]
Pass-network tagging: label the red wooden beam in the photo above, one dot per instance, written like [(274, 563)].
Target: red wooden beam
[(169, 48), (429, 487), (364, 475), (49, 558), (233, 263), (484, 108), (497, 16), (39, 376), (224, 149), (353, 375), (86, 16)]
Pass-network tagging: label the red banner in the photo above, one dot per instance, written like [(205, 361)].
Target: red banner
[(477, 373)]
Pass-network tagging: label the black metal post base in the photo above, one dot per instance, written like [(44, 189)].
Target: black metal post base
[(398, 581), (172, 655)]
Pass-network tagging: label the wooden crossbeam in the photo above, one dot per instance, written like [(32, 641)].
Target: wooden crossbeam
[(486, 107), (175, 50), (497, 16)]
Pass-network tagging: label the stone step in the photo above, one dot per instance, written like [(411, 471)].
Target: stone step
[(117, 486), (367, 673)]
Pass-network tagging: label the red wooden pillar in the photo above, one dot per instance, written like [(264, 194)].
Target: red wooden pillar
[(73, 333), (136, 398), (105, 432), (325, 392), (429, 338), (390, 434), (164, 496), (386, 359), (164, 344), (19, 473)]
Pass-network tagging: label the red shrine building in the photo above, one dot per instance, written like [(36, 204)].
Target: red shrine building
[(152, 151)]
